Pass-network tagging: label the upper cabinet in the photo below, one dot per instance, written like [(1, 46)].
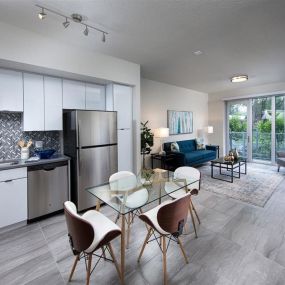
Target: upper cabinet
[(11, 90), (73, 94), (33, 102), (95, 97), (123, 104), (53, 103)]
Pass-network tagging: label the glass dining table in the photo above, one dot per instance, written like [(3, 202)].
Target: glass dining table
[(115, 194)]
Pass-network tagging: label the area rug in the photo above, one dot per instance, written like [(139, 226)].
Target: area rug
[(255, 188)]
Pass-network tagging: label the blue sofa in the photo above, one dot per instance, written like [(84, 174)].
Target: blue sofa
[(188, 154)]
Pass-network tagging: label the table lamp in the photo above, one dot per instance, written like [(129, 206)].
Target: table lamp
[(161, 133)]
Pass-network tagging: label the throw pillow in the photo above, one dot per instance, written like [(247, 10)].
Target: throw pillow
[(200, 146), (174, 147)]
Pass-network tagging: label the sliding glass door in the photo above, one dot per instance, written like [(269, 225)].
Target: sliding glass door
[(262, 128), (256, 127), (238, 126), (280, 123)]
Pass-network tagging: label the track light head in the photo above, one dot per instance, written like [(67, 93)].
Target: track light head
[(66, 23), (86, 31), (42, 14), (103, 38)]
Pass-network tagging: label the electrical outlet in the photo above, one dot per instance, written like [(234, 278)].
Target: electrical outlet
[(38, 144)]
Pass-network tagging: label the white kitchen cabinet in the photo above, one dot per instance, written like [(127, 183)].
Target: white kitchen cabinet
[(53, 103), (123, 104), (13, 191), (11, 90), (95, 97), (73, 94), (125, 150), (33, 102)]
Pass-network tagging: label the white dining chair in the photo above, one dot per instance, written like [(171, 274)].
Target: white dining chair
[(126, 181), (190, 174)]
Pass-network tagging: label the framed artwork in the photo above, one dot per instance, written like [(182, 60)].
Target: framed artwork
[(179, 122)]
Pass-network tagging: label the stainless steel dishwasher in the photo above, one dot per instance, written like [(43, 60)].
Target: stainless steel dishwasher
[(47, 189)]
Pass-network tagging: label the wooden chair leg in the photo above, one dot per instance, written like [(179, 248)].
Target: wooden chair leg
[(115, 260), (164, 261), (141, 211), (193, 221), (88, 269), (73, 267), (128, 229), (195, 212), (145, 242), (183, 251)]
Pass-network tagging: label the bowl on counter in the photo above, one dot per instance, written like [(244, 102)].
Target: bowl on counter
[(45, 153)]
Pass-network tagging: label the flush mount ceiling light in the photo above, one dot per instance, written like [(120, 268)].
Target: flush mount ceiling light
[(76, 18), (42, 14), (197, 52), (239, 78)]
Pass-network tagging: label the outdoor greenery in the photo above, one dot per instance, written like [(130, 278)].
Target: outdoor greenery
[(262, 126)]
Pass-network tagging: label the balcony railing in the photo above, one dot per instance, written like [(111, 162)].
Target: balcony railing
[(261, 144)]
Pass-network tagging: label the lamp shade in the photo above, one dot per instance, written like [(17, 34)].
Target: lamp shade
[(161, 132), (210, 129)]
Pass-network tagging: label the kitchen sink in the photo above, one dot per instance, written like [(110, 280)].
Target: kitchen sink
[(5, 163)]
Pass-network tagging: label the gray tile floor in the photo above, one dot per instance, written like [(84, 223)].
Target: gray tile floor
[(237, 244)]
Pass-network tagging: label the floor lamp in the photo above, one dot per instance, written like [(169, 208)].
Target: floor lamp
[(161, 133)]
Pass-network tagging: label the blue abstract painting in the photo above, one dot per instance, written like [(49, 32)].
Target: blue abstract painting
[(180, 122)]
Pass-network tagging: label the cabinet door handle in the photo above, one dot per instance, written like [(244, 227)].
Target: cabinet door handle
[(7, 181)]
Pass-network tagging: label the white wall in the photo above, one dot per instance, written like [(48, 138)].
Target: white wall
[(23, 48), (217, 110), (157, 98)]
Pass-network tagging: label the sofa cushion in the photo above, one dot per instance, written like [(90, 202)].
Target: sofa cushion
[(187, 146), (197, 155)]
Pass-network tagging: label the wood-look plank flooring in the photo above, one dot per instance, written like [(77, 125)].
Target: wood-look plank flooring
[(237, 244)]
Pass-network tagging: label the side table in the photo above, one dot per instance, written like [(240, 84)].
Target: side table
[(163, 158)]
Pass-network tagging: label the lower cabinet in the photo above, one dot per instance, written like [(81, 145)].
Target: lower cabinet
[(13, 193)]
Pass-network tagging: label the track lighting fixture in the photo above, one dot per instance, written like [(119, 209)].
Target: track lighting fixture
[(76, 18), (86, 31), (66, 23), (103, 38), (42, 14)]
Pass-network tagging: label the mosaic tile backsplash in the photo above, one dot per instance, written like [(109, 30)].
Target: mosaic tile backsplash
[(11, 132)]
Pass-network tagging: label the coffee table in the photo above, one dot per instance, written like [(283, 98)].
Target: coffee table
[(233, 168)]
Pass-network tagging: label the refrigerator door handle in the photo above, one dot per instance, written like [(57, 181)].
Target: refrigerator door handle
[(79, 162), (78, 134)]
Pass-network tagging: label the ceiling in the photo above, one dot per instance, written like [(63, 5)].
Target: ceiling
[(235, 36)]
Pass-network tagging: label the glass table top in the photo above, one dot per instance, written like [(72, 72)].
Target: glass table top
[(129, 193), (222, 160)]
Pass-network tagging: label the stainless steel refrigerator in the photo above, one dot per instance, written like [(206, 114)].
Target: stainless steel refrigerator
[(90, 139)]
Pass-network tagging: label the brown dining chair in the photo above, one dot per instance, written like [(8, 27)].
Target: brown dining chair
[(191, 173), (166, 221), (87, 234)]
